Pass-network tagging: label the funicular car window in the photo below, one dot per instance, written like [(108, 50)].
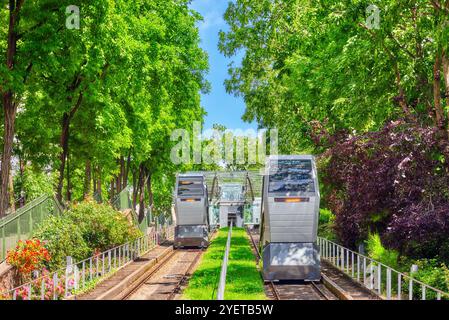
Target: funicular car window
[(190, 187), (231, 193), (291, 176)]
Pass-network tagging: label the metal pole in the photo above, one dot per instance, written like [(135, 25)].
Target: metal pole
[(352, 264), (379, 279), (347, 261), (388, 283), (224, 268)]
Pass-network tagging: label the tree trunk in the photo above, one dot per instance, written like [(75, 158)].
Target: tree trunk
[(63, 143), (128, 164), (439, 115), (99, 182), (111, 192), (9, 105), (11, 194), (141, 193), (69, 183), (135, 182), (122, 173), (9, 109), (94, 180), (150, 190), (22, 192), (446, 83), (87, 179)]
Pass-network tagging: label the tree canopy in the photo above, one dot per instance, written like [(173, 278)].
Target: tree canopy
[(365, 86), (316, 66), (97, 104)]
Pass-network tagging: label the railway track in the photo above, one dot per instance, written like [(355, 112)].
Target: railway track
[(291, 290), (166, 279)]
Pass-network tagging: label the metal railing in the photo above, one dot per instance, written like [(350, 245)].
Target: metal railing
[(386, 282), (224, 267), (20, 225), (77, 277)]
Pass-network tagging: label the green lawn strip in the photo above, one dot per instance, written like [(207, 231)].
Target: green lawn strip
[(243, 280), (203, 283)]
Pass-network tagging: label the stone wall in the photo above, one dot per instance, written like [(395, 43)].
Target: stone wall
[(8, 277)]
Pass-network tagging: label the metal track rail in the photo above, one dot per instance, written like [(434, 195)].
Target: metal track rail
[(273, 286), (319, 291), (139, 283), (273, 289), (185, 277), (258, 258)]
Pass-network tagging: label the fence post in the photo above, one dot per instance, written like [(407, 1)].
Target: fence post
[(347, 261), (30, 289), (352, 264), (76, 277), (364, 270), (68, 270), (388, 283), (109, 261), (43, 288), (358, 268), (413, 269), (90, 268), (102, 264), (55, 284), (333, 253), (379, 279), (84, 273)]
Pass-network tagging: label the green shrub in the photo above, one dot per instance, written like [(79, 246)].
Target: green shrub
[(326, 216), (86, 228), (62, 238), (101, 226), (326, 224), (433, 273), (379, 253)]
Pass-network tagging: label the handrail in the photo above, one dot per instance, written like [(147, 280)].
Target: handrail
[(224, 267), (355, 265)]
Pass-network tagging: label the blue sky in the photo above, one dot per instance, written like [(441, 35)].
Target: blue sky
[(221, 107)]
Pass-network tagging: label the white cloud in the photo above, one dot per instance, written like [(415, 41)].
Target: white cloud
[(212, 19)]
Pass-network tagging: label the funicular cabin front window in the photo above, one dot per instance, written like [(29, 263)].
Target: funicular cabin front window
[(291, 176), (190, 187)]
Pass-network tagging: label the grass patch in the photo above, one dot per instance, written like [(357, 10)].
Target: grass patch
[(243, 281)]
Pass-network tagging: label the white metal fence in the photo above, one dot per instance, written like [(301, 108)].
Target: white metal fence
[(388, 283), (79, 276)]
